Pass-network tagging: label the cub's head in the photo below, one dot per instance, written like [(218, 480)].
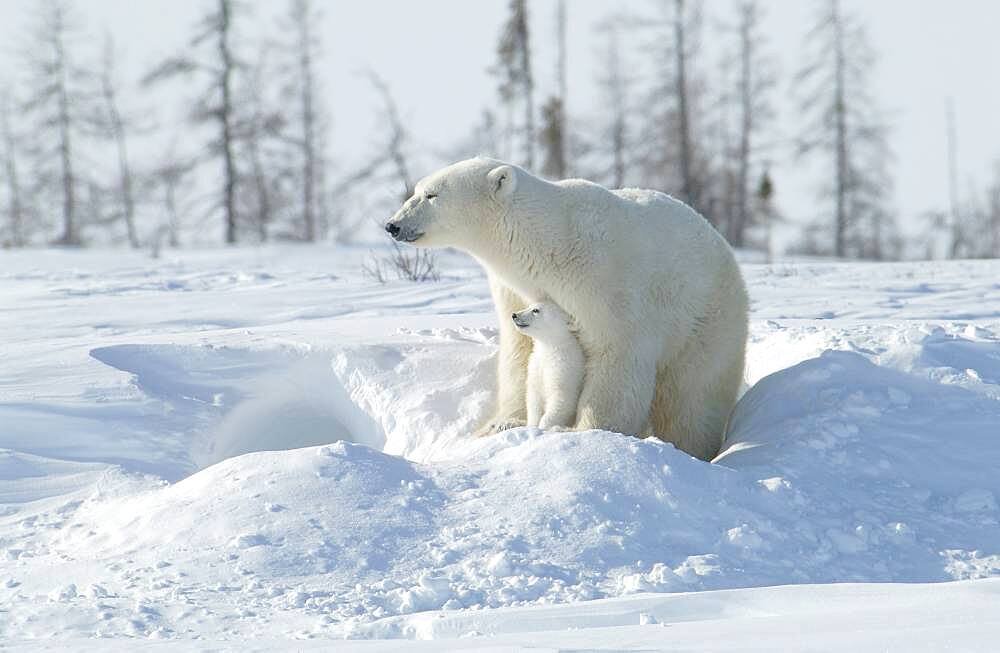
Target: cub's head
[(451, 207), (544, 321)]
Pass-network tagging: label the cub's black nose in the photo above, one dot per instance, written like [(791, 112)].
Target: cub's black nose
[(513, 316), (392, 229)]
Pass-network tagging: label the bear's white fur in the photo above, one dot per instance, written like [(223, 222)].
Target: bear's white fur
[(655, 292), (555, 368)]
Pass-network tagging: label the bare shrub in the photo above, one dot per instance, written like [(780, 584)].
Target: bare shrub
[(405, 263)]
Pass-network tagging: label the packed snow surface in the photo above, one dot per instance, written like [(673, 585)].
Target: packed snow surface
[(262, 444)]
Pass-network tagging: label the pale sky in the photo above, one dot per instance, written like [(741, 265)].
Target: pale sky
[(434, 55)]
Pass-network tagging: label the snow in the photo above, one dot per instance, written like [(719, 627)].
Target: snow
[(260, 444)]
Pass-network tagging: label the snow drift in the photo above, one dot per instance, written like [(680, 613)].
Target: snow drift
[(259, 484)]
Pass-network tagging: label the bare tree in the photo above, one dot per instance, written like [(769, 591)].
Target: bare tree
[(610, 144), (169, 177), (259, 136), (215, 105), (390, 164), (690, 188), (516, 81), (554, 134), (58, 100), (561, 70), (310, 125), (408, 263), (616, 88), (765, 207), (674, 158), (980, 219), (843, 124), (117, 128), (755, 83), (15, 207), (221, 24), (720, 142)]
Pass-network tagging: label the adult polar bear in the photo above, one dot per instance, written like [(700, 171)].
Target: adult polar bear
[(658, 299)]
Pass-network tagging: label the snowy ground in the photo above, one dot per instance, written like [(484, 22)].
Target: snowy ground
[(861, 472)]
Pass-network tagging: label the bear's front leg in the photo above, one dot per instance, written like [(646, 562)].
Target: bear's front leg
[(617, 391), (512, 363), (536, 394)]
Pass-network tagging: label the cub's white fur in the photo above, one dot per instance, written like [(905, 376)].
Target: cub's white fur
[(556, 366), (654, 291)]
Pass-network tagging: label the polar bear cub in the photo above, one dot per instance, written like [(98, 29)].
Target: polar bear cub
[(556, 366)]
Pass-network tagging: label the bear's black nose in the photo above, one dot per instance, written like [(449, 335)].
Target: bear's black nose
[(392, 229), (513, 316)]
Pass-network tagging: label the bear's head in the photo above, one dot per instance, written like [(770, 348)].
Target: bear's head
[(453, 206), (543, 321)]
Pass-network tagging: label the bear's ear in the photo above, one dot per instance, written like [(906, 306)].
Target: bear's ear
[(502, 181)]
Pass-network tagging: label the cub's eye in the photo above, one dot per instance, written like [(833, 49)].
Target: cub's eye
[(535, 311), (429, 196)]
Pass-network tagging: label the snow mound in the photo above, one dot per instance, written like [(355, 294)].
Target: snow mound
[(837, 470), (889, 474)]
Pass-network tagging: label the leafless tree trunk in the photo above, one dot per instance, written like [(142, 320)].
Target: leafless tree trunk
[(255, 129), (750, 97), (173, 217), (840, 121), (553, 137), (55, 104), (15, 210), (674, 158), (514, 70), (554, 133), (765, 194), (843, 122), (261, 185), (614, 82), (169, 177), (216, 104), (742, 215), (561, 62), (302, 18), (117, 130), (226, 116), (529, 90), (689, 187), (70, 235)]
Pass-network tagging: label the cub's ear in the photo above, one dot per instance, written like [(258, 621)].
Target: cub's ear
[(502, 181)]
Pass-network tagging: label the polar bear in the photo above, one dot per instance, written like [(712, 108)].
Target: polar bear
[(555, 367), (655, 292)]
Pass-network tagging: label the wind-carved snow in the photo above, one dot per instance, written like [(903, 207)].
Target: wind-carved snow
[(245, 401), (316, 477)]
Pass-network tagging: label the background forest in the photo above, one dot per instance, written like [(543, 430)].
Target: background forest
[(231, 135)]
